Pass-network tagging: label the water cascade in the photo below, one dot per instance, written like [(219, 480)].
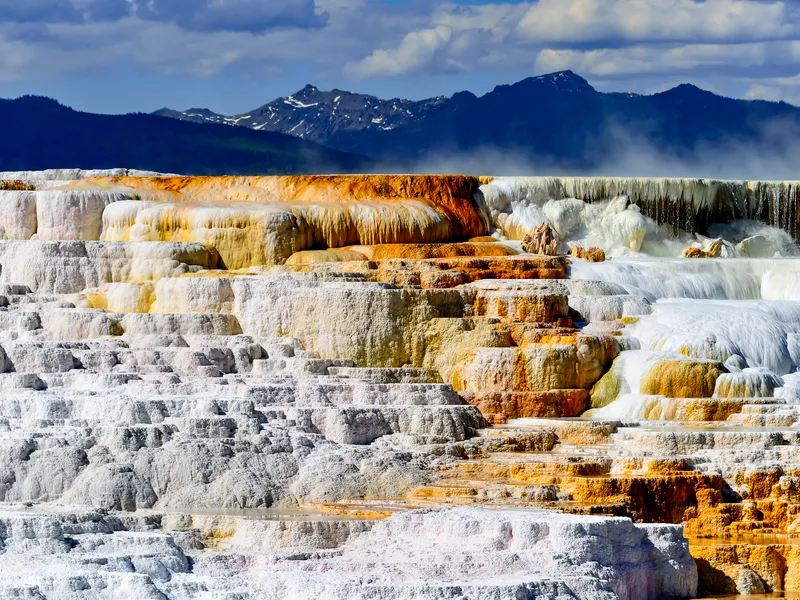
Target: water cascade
[(679, 206)]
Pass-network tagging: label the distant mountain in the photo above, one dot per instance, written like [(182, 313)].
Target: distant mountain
[(322, 117), (559, 118), (39, 133)]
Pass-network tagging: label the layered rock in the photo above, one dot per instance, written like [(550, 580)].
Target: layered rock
[(395, 411)]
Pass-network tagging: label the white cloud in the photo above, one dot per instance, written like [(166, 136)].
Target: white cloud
[(774, 89), (646, 60), (617, 21), (416, 50), (759, 91)]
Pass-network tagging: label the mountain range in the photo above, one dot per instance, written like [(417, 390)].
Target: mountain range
[(557, 120)]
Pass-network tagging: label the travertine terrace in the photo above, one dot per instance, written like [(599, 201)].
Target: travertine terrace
[(362, 387)]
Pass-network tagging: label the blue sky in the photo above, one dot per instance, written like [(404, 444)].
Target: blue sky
[(234, 55)]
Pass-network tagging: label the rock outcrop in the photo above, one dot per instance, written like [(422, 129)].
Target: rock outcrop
[(542, 240), (592, 254)]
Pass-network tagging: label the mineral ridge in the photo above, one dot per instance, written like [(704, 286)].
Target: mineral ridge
[(362, 387)]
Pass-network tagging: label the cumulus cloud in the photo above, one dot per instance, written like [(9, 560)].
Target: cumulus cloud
[(759, 91), (637, 60), (617, 21), (416, 50), (775, 89)]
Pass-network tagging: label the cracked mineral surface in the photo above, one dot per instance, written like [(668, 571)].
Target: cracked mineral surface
[(361, 387)]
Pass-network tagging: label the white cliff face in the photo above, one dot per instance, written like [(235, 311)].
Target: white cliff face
[(54, 214)]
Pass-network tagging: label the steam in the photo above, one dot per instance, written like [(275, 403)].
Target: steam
[(771, 153)]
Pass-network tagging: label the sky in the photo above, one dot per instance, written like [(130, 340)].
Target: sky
[(231, 56)]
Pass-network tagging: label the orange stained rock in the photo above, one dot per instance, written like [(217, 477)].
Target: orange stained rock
[(629, 464), (720, 565), (16, 185), (424, 251), (435, 273), (352, 511), (460, 270), (547, 341), (542, 440), (596, 352), (592, 254), (401, 277), (713, 251), (767, 507), (536, 367), (531, 334), (249, 233), (682, 378), (556, 472), (761, 483), (434, 492), (648, 498), (495, 419), (584, 433), (512, 267), (651, 497), (522, 306), (703, 409), (518, 405), (312, 257), (660, 466), (483, 239), (476, 470), (694, 253), (443, 280), (449, 342), (220, 274)]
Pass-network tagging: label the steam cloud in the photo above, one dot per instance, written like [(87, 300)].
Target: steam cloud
[(621, 151)]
